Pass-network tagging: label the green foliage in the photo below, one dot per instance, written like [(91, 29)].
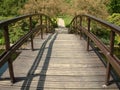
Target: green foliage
[(104, 33), (68, 1), (67, 20), (101, 32), (117, 38), (115, 19), (114, 6), (54, 20), (1, 37), (5, 18), (15, 33), (18, 30), (10, 7)]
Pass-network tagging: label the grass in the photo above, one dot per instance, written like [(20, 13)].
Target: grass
[(67, 20)]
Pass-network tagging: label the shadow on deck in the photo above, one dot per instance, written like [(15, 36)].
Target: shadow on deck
[(42, 75), (60, 62)]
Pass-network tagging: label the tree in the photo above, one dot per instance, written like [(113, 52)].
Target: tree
[(49, 7), (94, 7), (63, 7)]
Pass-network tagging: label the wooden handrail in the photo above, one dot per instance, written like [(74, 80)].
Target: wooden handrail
[(6, 56), (18, 18), (112, 26), (108, 52)]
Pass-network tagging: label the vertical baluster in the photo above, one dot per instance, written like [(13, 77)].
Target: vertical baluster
[(41, 26), (76, 25), (80, 27), (88, 39), (108, 74), (49, 30), (46, 24), (7, 45), (73, 26), (49, 26), (112, 38), (32, 46)]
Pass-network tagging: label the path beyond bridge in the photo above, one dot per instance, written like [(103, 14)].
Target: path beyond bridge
[(59, 62), (60, 22)]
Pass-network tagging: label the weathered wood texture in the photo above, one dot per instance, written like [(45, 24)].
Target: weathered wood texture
[(59, 62)]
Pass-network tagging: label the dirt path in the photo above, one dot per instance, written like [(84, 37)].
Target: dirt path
[(60, 22)]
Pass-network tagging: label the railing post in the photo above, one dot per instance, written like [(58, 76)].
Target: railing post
[(80, 27), (76, 23), (108, 74), (46, 24), (32, 46), (49, 26), (41, 26), (112, 38), (88, 39), (7, 45)]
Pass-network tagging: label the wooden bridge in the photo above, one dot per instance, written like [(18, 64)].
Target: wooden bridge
[(59, 60)]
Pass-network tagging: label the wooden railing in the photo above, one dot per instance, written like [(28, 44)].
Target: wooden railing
[(78, 25), (44, 22)]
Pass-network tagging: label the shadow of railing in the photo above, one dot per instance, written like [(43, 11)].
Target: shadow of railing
[(42, 76), (45, 66)]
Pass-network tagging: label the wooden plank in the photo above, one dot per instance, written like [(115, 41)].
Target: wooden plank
[(61, 64), (64, 85)]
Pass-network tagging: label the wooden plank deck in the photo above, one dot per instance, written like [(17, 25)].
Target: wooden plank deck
[(59, 62)]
